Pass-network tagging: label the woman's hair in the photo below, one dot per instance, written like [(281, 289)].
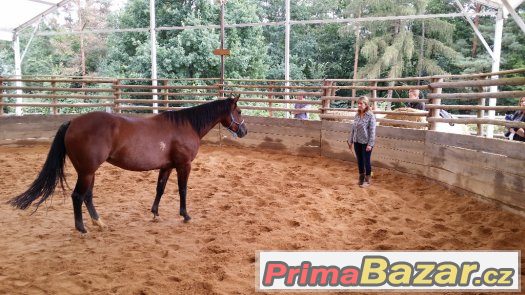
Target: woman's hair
[(521, 100), (366, 101)]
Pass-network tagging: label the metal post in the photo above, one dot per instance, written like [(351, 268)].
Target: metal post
[(222, 48), (287, 53), (498, 35), (153, 36), (18, 72), (514, 15)]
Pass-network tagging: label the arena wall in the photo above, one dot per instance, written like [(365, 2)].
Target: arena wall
[(490, 168)]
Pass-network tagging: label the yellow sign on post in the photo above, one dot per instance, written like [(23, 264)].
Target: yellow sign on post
[(221, 51)]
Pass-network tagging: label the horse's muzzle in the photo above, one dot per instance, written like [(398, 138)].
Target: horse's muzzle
[(242, 131)]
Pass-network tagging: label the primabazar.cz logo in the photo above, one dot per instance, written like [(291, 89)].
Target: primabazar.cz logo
[(386, 270)]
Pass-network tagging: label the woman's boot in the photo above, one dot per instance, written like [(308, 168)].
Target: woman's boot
[(361, 179), (367, 181)]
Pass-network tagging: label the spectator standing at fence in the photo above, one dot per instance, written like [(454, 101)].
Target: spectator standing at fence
[(362, 137), (298, 114), (519, 116), (414, 94)]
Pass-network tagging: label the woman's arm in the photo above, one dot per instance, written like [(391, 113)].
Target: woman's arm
[(351, 138), (372, 131)]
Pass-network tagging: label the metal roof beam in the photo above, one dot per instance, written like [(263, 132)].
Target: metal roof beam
[(43, 2), (52, 9), (281, 23), (489, 3), (514, 15), (478, 33)]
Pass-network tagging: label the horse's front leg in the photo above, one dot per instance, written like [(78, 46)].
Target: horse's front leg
[(183, 172), (164, 175)]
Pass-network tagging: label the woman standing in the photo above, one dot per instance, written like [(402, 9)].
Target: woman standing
[(518, 116), (363, 137)]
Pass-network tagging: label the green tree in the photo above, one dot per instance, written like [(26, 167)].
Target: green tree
[(391, 47), (7, 60), (188, 53)]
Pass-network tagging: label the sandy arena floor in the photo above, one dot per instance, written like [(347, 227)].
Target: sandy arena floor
[(241, 201)]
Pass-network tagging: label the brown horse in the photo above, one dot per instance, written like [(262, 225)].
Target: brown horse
[(165, 141)]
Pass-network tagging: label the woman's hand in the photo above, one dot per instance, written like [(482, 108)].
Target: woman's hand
[(368, 148), (521, 132), (349, 144)]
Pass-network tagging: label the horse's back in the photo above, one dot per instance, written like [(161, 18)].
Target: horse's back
[(92, 126)]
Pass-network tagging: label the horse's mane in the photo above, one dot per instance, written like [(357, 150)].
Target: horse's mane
[(200, 116)]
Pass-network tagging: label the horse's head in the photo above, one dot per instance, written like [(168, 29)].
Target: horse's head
[(234, 121)]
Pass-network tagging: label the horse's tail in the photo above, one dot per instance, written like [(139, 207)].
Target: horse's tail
[(52, 173)]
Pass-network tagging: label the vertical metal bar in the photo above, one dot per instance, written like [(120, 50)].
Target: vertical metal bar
[(18, 72), (514, 15), (153, 45), (222, 47), (287, 52), (496, 57)]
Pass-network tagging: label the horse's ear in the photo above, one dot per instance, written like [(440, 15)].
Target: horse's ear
[(236, 98)]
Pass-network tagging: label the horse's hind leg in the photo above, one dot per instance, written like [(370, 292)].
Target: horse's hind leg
[(164, 175), (88, 200), (79, 193)]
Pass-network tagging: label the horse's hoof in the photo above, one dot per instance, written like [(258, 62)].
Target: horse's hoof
[(82, 232), (156, 218), (187, 218), (81, 229), (98, 222)]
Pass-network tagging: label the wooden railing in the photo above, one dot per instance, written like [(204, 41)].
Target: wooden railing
[(326, 99)]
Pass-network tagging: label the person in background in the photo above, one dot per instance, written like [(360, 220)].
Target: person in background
[(300, 106), (362, 137), (414, 94), (518, 116)]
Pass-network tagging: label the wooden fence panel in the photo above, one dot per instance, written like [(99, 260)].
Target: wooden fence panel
[(503, 147)]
